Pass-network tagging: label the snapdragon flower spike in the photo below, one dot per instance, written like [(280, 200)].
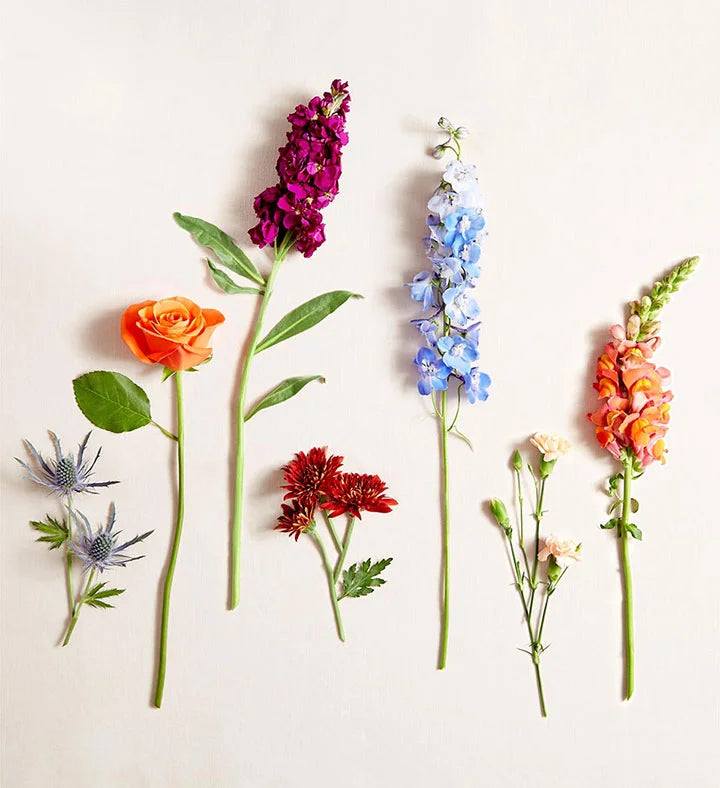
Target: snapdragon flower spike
[(64, 475), (99, 549), (455, 232), (309, 168)]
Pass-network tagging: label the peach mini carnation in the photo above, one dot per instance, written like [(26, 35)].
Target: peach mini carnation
[(565, 551), (550, 445)]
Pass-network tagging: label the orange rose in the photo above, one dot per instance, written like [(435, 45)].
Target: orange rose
[(173, 332)]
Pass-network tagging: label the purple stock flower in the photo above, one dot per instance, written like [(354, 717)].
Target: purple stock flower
[(432, 370), (309, 167)]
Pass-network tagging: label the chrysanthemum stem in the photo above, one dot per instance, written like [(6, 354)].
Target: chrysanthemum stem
[(343, 553), (331, 585), (69, 558), (280, 253), (167, 588), (76, 610), (333, 532), (627, 580), (446, 533)]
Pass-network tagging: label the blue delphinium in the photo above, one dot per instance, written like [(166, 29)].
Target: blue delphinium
[(453, 245), (65, 474)]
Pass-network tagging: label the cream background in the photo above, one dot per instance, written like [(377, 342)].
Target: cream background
[(595, 130)]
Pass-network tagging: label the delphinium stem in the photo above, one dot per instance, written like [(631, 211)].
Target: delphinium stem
[(446, 533), (627, 581), (167, 589)]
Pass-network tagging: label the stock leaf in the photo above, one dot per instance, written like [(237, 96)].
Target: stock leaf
[(634, 531), (305, 316), (224, 248), (288, 388), (55, 532), (96, 596), (634, 505), (226, 284), (112, 401), (610, 523), (362, 579)]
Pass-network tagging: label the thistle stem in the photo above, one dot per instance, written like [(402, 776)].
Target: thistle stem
[(627, 581), (446, 534), (76, 610), (331, 586), (345, 545), (69, 558), (167, 588), (280, 253)]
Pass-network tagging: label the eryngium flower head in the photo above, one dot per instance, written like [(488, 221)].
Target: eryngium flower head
[(296, 519), (64, 475), (100, 550), (307, 476), (355, 493)]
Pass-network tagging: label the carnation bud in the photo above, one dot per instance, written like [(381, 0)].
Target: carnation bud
[(497, 507), (633, 327), (438, 151), (445, 124), (546, 467), (517, 460)]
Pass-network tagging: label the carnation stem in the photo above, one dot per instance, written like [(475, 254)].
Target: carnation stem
[(345, 545), (627, 579), (536, 661), (280, 253), (170, 573), (538, 518), (521, 508), (446, 535), (331, 584), (76, 609), (69, 558)]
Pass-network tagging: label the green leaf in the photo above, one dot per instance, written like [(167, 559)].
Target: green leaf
[(97, 594), (56, 533), (305, 316), (611, 523), (226, 284), (634, 531), (362, 579), (634, 505), (288, 388), (112, 401), (227, 253)]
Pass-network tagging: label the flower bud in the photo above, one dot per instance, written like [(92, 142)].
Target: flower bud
[(461, 132), (445, 124), (517, 460), (633, 327), (497, 507), (438, 151), (652, 328)]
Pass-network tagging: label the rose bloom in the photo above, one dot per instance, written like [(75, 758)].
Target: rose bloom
[(173, 332), (565, 551), (550, 445)]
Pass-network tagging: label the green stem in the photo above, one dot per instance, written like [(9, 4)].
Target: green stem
[(331, 585), (446, 535), (69, 558), (536, 662), (165, 432), (162, 654), (521, 508), (538, 518), (280, 252), (333, 532), (627, 579), (76, 610), (343, 552)]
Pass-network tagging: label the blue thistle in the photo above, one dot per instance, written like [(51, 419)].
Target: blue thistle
[(100, 550), (63, 475)]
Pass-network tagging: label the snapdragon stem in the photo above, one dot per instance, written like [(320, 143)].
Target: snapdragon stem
[(446, 534), (331, 586), (343, 552), (76, 608), (280, 253), (69, 558), (170, 573), (627, 581)]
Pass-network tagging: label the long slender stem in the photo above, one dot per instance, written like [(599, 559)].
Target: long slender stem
[(343, 553), (538, 518), (446, 535), (69, 558), (331, 585), (628, 588), (76, 610), (167, 589), (280, 253), (536, 662), (521, 508), (333, 532)]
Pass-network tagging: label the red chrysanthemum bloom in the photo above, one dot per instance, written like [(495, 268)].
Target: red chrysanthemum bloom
[(308, 476), (296, 518), (355, 493)]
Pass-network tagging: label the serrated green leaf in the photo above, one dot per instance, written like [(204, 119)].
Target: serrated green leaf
[(112, 401), (226, 284), (55, 532), (634, 531), (362, 579), (305, 316), (220, 243), (288, 388), (97, 594)]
